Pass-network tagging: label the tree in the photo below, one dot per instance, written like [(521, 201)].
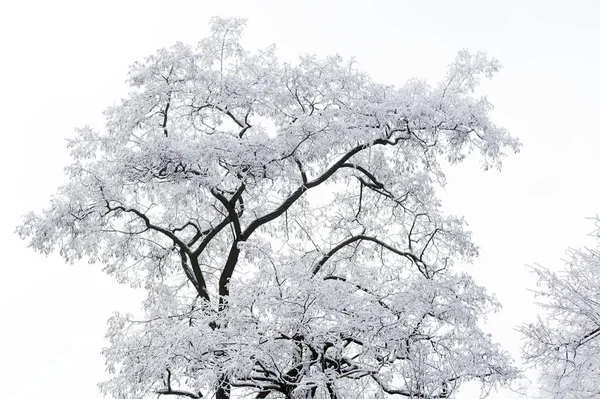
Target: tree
[(284, 222), (565, 342)]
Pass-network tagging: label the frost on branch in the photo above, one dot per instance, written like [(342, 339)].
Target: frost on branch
[(565, 342), (283, 220)]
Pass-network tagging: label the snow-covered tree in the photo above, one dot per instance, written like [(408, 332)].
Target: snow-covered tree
[(564, 343), (283, 220)]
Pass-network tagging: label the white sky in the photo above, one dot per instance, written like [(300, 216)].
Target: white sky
[(62, 63)]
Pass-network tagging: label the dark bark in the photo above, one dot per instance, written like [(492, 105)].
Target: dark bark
[(223, 389)]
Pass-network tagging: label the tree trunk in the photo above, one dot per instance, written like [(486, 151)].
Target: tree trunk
[(223, 389)]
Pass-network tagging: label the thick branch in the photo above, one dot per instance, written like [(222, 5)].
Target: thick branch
[(310, 184), (361, 288), (151, 226), (230, 206), (186, 269), (333, 251), (201, 287), (393, 391), (302, 171), (179, 393), (371, 177), (362, 237), (170, 391), (198, 282), (234, 251), (165, 113), (211, 234), (245, 125), (232, 259), (175, 230)]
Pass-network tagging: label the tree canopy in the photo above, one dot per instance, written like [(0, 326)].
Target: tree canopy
[(564, 342), (284, 222)]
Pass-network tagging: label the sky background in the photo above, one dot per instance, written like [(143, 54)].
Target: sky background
[(62, 63)]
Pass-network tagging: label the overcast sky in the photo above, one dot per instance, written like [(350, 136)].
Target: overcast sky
[(63, 63)]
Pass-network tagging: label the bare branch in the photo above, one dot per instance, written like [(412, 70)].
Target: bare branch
[(362, 237)]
